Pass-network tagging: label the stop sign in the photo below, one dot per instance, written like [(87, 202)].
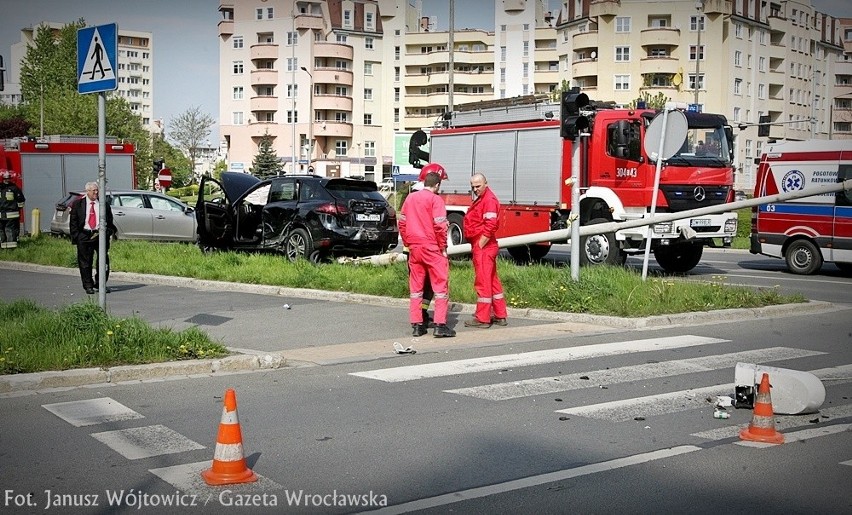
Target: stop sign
[(165, 178)]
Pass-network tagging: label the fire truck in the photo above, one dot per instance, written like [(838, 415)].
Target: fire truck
[(808, 231), (48, 168), (519, 147)]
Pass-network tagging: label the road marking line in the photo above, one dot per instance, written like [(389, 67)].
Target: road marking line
[(563, 383), (467, 366), (145, 442), (799, 436), (187, 478), (527, 482), (782, 422), (651, 405), (92, 411)]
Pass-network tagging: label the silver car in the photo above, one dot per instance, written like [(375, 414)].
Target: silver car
[(138, 214)]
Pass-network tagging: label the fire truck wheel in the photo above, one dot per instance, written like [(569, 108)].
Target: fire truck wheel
[(528, 253), (680, 258), (455, 234), (803, 257), (600, 249)]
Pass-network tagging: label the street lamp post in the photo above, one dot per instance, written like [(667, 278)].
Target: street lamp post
[(699, 6), (310, 116)]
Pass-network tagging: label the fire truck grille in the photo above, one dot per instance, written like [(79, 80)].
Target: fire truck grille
[(686, 197)]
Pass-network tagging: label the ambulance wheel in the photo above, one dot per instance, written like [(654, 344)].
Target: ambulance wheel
[(680, 258), (600, 249), (803, 257)]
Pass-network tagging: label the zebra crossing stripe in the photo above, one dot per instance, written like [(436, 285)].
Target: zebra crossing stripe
[(468, 366), (594, 379), (144, 442), (651, 405), (782, 422), (804, 434), (90, 412)]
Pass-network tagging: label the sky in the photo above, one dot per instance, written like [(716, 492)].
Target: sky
[(186, 42)]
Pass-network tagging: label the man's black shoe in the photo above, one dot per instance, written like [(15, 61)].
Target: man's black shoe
[(418, 330), (90, 291), (442, 331)]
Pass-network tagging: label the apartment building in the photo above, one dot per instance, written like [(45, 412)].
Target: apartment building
[(317, 77), (135, 70)]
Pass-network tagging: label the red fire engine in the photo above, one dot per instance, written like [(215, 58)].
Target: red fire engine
[(48, 168), (518, 147)]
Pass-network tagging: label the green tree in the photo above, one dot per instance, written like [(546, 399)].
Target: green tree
[(556, 94), (266, 163), (13, 122), (189, 130), (657, 101), (175, 161), (49, 90)]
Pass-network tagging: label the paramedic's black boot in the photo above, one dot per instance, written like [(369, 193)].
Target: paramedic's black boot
[(442, 331), (418, 330)]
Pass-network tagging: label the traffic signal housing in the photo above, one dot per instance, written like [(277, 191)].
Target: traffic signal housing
[(763, 123), (573, 123)]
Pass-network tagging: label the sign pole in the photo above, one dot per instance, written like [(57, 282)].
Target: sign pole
[(650, 229), (102, 234)]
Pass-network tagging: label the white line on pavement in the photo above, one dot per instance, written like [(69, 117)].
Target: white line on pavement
[(466, 366)]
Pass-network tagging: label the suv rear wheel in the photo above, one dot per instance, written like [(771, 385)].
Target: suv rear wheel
[(299, 245)]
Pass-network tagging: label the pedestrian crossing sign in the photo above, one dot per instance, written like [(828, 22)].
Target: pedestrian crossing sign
[(97, 58)]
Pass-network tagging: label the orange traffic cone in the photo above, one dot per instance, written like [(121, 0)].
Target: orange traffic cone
[(762, 427), (229, 464)]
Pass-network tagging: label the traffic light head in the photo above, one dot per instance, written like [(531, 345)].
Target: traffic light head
[(573, 123), (763, 126)]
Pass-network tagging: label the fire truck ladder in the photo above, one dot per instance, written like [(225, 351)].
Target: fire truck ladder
[(504, 110)]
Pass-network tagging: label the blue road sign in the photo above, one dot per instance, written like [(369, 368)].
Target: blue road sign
[(97, 58)]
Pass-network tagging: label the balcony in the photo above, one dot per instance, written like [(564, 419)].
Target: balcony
[(332, 76), (306, 21), (660, 36), (332, 103), (333, 50), (584, 68), (332, 129), (718, 6), (264, 51), (585, 40), (776, 104), (264, 103), (259, 129), (667, 65), (604, 8), (472, 58), (473, 78), (226, 27), (264, 77)]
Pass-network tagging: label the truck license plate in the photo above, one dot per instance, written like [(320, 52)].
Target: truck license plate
[(367, 218), (699, 222)]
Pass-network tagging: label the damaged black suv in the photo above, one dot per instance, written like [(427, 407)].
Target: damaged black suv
[(301, 216)]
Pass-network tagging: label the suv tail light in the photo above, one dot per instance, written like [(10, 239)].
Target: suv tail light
[(333, 208)]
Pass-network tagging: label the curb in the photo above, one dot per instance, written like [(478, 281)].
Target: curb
[(17, 383)]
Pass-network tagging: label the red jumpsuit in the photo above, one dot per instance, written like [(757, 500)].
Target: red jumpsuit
[(423, 227), (482, 220)]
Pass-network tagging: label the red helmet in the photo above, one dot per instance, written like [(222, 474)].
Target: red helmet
[(433, 168)]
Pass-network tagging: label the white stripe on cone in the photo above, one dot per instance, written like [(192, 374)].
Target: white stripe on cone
[(228, 452)]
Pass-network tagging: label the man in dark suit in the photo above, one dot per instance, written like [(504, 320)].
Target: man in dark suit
[(84, 225)]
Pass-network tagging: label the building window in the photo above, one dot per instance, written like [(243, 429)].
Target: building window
[(622, 82), (369, 149), (396, 115), (622, 24), (238, 92), (396, 53), (396, 94), (736, 114), (696, 52), (622, 53), (503, 54), (341, 147), (341, 38), (368, 119), (238, 67), (270, 13), (761, 91), (738, 86), (526, 49), (696, 23), (502, 74), (258, 13), (292, 90), (738, 59), (368, 68), (526, 72), (238, 41), (341, 91), (292, 117), (347, 18), (396, 74), (738, 30), (368, 21), (368, 43), (237, 117), (692, 81), (292, 38), (368, 93), (292, 64), (341, 117)]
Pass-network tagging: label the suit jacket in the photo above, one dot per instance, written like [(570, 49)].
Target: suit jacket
[(79, 214)]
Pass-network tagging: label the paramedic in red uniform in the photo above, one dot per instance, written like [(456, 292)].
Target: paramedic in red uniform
[(423, 227), (480, 225)]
